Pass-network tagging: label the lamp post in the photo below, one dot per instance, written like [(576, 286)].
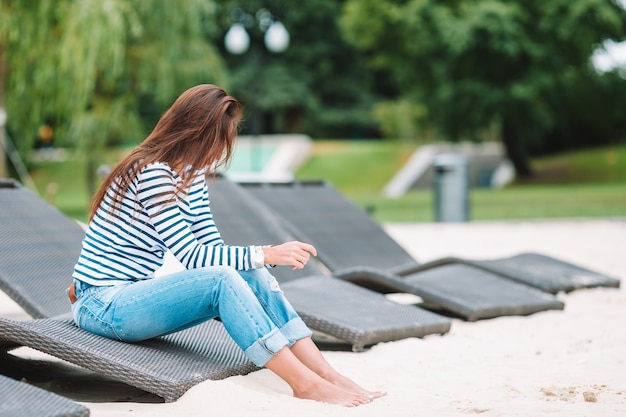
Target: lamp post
[(237, 42), (237, 39)]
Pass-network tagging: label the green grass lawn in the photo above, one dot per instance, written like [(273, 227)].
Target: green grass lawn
[(523, 202), (590, 183), (64, 183)]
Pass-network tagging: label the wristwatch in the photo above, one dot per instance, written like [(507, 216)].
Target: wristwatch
[(258, 257)]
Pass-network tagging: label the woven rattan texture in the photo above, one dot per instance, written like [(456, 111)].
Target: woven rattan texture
[(484, 295), (357, 248), (359, 315), (549, 274), (345, 235), (19, 399), (166, 366), (39, 247), (343, 310), (459, 290), (242, 220)]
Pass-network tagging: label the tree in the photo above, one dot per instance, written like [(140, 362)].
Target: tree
[(88, 65), (477, 64)]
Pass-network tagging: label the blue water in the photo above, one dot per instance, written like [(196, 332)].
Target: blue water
[(251, 156)]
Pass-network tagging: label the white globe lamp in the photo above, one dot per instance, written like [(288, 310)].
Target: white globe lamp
[(237, 39)]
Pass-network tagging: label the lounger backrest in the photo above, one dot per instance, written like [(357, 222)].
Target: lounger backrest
[(38, 249), (344, 234), (243, 220)]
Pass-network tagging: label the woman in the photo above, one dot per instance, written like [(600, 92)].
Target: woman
[(156, 199)]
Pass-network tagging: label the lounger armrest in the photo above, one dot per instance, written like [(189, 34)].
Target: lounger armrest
[(372, 278), (435, 263)]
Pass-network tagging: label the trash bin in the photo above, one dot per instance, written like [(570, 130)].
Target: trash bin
[(451, 183)]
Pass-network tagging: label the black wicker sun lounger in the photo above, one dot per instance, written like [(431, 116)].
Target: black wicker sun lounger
[(39, 247), (329, 305), (19, 399), (355, 248), (537, 270), (166, 366), (326, 208)]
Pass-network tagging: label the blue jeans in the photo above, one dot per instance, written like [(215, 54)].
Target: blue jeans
[(250, 304)]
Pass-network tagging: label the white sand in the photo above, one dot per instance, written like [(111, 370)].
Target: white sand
[(560, 363)]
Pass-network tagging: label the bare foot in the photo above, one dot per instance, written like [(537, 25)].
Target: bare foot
[(327, 392), (351, 386)]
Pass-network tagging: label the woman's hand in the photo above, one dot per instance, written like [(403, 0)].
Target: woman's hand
[(296, 254)]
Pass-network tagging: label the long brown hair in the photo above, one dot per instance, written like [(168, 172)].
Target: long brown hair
[(197, 131)]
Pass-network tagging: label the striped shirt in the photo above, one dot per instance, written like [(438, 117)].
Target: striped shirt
[(131, 244)]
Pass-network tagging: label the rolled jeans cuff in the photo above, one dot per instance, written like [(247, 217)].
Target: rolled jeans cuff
[(265, 348)]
